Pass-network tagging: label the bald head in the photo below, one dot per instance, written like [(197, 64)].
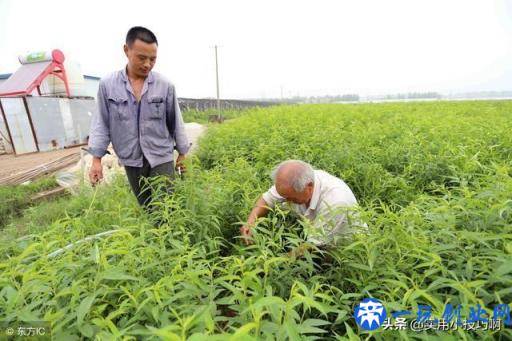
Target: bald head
[(294, 180)]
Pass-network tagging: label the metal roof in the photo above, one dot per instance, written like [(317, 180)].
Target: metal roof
[(7, 75), (23, 80)]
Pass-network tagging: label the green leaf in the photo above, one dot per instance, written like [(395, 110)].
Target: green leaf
[(86, 329), (83, 308), (359, 266), (504, 269), (310, 326), (243, 331), (117, 275), (292, 330)]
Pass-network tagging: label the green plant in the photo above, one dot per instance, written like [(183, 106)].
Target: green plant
[(434, 182)]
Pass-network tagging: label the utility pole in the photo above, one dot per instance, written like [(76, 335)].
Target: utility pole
[(217, 77)]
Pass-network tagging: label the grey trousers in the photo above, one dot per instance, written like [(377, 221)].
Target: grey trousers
[(137, 175)]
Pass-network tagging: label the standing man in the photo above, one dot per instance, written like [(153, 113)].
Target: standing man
[(138, 113)]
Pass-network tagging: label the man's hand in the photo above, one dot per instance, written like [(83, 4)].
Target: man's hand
[(259, 210), (245, 232), (180, 163), (96, 171)]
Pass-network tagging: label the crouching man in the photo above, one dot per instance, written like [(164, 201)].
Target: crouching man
[(319, 197)]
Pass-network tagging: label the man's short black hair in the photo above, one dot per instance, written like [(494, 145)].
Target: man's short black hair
[(141, 33)]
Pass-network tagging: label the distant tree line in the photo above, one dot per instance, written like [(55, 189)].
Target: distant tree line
[(204, 104), (483, 94), (399, 96), (413, 95), (323, 99)]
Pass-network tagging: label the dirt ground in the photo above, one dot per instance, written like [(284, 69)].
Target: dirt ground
[(11, 164)]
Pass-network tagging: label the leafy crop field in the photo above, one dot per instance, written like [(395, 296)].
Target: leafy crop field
[(203, 115), (434, 183)]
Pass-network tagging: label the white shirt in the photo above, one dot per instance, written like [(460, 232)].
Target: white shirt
[(329, 211)]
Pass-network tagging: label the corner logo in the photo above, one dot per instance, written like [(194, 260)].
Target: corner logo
[(370, 314)]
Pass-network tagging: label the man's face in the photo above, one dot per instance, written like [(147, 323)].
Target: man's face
[(291, 195), (141, 57)]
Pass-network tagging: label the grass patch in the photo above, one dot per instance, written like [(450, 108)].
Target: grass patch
[(15, 198)]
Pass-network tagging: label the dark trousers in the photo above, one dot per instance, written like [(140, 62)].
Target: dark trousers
[(138, 176)]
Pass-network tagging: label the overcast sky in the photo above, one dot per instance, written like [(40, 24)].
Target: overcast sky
[(304, 47)]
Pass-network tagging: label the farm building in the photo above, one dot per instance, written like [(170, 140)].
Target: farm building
[(46, 104)]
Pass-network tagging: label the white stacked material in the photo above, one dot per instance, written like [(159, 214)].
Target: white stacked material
[(70, 178)]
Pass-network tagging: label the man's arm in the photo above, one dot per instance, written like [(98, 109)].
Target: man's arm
[(99, 137), (266, 201), (259, 210), (177, 127)]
